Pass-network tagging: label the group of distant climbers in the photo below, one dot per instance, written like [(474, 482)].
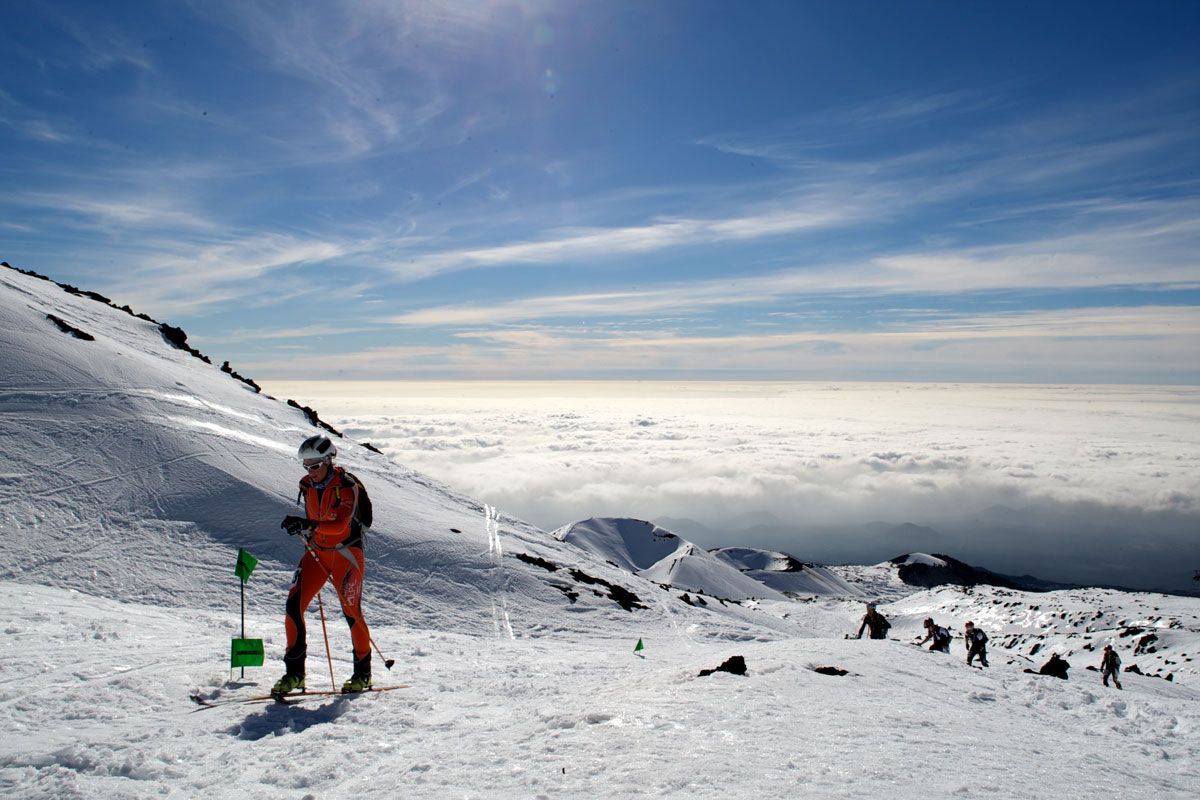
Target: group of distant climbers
[(939, 638), (1110, 667)]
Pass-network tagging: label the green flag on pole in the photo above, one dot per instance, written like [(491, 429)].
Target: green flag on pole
[(639, 647), (245, 565), (246, 653)]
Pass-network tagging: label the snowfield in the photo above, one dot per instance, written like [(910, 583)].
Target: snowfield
[(99, 708), (133, 471)]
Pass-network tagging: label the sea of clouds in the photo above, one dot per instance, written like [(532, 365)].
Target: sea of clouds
[(1093, 484)]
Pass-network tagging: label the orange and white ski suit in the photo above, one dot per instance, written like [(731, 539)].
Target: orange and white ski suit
[(335, 553)]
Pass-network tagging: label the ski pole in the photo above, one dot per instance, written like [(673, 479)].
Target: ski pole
[(325, 633), (387, 662)]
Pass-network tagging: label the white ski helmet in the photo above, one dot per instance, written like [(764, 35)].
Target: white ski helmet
[(315, 447)]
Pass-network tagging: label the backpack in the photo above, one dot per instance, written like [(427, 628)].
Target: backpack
[(940, 635), (364, 514)]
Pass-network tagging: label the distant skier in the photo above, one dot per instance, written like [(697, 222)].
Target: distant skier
[(938, 634), (334, 552), (875, 623), (976, 641), (1110, 666), (1056, 667)]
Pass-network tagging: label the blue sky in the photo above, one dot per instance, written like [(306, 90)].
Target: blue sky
[(914, 191)]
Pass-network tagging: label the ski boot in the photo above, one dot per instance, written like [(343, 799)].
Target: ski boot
[(356, 684), (287, 684)]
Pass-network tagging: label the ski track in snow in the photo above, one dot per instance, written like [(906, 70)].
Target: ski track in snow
[(503, 623)]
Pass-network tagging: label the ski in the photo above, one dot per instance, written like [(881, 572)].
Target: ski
[(325, 694), (287, 699)]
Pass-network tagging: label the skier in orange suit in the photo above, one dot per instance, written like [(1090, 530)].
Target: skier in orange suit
[(334, 552)]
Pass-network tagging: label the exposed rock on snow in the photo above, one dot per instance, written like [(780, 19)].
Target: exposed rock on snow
[(835, 671), (735, 665)]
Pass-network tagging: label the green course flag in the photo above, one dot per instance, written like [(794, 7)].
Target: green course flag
[(639, 647), (246, 653), (245, 565)]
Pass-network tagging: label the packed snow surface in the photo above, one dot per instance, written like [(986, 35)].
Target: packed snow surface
[(133, 472)]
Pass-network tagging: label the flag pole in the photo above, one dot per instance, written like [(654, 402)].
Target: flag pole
[(244, 652), (242, 585)]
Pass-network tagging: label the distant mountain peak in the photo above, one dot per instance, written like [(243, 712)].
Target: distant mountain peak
[(926, 571)]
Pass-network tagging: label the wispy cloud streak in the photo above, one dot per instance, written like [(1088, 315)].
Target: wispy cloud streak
[(597, 243), (1106, 257)]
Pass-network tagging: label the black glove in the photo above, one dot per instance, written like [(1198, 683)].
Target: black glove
[(294, 525)]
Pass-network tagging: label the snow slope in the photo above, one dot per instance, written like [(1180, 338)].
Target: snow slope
[(785, 573), (132, 472), (658, 555)]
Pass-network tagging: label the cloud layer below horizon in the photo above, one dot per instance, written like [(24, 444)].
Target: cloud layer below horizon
[(1068, 482)]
